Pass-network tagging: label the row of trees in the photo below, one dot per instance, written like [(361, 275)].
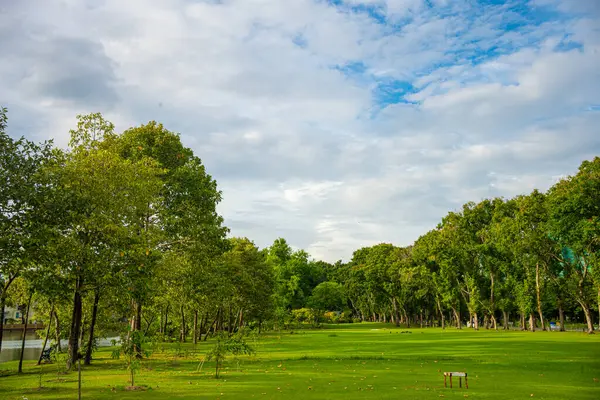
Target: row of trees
[(119, 232), (535, 256)]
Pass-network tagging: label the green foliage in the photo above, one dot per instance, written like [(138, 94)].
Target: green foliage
[(225, 345), (133, 345)]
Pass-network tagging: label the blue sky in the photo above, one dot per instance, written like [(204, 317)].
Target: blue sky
[(334, 124)]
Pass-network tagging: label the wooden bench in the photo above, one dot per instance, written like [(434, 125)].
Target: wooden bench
[(460, 375)]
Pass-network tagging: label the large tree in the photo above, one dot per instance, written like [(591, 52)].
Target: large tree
[(20, 163), (574, 206)]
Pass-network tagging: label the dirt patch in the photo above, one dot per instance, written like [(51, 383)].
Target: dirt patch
[(132, 388)]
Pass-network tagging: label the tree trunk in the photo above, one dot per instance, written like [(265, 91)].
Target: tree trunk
[(88, 352), (561, 318), (421, 318), (138, 316), (166, 321), (47, 334), (2, 306), (531, 322), (504, 320), (588, 317), (599, 304), (26, 320), (538, 296), (182, 324), (522, 322), (492, 302), (229, 321), (441, 313), (58, 346), (457, 316), (82, 330), (75, 325), (475, 321), (160, 323), (196, 327), (241, 321)]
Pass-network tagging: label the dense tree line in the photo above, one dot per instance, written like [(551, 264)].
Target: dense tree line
[(120, 233)]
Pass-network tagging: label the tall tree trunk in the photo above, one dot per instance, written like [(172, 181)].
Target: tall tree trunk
[(196, 327), (47, 334), (241, 321), (182, 324), (588, 317), (138, 316), (160, 323), (531, 322), (539, 296), (504, 320), (561, 317), (457, 316), (441, 313), (75, 325), (229, 321), (475, 321), (20, 370), (57, 332), (90, 344), (82, 330), (2, 306), (492, 302), (166, 321), (599, 304), (522, 323)]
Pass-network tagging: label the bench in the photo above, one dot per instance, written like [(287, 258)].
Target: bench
[(460, 375), (46, 354)]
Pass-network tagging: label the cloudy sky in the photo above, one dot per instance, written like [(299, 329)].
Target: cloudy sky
[(336, 124)]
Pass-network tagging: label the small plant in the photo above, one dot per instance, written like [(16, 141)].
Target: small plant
[(132, 351), (60, 360), (40, 376), (224, 345)]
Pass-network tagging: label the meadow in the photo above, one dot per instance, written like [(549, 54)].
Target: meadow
[(354, 361)]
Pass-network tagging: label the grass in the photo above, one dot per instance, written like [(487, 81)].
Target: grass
[(356, 361)]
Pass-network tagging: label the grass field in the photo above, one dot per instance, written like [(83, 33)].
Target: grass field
[(357, 361)]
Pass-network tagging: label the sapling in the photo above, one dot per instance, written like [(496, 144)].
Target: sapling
[(131, 348), (225, 345)]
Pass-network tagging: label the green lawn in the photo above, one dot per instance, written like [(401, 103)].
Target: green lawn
[(360, 361)]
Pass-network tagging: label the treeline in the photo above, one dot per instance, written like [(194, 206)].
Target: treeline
[(119, 233)]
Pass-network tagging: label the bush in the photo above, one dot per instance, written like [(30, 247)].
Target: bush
[(303, 315)]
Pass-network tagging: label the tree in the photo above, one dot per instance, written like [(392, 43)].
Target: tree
[(574, 207), (183, 219), (20, 163), (327, 296), (92, 198)]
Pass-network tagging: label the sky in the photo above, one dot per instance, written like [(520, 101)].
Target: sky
[(336, 124)]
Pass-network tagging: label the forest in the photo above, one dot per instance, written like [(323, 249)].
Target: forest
[(119, 234)]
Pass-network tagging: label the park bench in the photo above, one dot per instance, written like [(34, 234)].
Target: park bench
[(459, 374), (46, 354)]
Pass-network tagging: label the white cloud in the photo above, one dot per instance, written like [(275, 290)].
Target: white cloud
[(300, 149)]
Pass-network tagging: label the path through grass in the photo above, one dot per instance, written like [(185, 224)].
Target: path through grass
[(360, 361)]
